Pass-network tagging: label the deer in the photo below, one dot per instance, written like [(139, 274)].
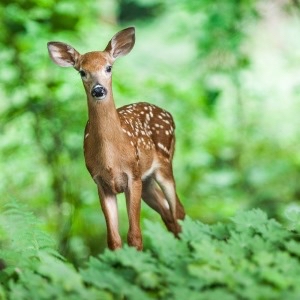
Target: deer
[(127, 150)]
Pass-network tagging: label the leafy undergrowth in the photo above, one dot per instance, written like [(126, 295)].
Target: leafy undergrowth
[(252, 257)]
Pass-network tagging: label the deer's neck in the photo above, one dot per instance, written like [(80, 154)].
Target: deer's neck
[(104, 122), (104, 139)]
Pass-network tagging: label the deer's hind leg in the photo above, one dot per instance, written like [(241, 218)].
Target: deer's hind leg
[(164, 178), (156, 199)]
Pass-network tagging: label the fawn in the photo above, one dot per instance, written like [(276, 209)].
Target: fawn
[(129, 149)]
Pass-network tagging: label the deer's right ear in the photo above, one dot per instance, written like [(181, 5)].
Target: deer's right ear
[(63, 54)]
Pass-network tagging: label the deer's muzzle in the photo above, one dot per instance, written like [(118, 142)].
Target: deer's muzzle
[(99, 92)]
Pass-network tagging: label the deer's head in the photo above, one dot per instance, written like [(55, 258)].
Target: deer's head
[(94, 67)]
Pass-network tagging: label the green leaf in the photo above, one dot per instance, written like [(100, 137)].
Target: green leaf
[(254, 219), (165, 246), (292, 214)]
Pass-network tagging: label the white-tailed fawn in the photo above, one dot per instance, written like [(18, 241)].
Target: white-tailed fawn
[(127, 150)]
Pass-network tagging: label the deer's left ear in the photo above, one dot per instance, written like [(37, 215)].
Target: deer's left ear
[(62, 54), (121, 43)]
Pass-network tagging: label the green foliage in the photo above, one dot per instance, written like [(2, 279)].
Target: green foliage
[(226, 21), (252, 257), (22, 240), (31, 267), (225, 72), (233, 92)]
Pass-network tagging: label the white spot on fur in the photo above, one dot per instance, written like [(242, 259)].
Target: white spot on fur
[(162, 147)]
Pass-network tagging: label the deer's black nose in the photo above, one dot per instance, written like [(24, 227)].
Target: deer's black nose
[(99, 92)]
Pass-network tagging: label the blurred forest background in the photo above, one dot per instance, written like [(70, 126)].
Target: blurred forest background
[(228, 71)]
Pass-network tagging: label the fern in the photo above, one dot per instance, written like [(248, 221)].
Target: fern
[(122, 271), (22, 239), (252, 257), (293, 216)]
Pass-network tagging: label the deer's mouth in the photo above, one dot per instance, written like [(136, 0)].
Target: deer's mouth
[(99, 92)]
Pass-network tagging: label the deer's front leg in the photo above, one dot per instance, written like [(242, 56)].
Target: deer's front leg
[(133, 195), (110, 209)]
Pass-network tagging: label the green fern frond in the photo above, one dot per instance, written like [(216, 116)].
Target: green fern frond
[(22, 240)]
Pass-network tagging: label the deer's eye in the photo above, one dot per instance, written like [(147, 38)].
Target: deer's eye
[(108, 69), (82, 73)]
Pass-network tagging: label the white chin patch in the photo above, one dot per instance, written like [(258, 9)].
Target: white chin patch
[(100, 98)]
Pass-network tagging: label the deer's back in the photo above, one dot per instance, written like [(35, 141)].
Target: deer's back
[(148, 127)]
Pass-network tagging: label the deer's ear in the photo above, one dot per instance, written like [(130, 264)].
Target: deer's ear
[(63, 54), (121, 43)]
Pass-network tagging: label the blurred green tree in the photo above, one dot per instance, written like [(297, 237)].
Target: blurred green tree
[(48, 118)]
